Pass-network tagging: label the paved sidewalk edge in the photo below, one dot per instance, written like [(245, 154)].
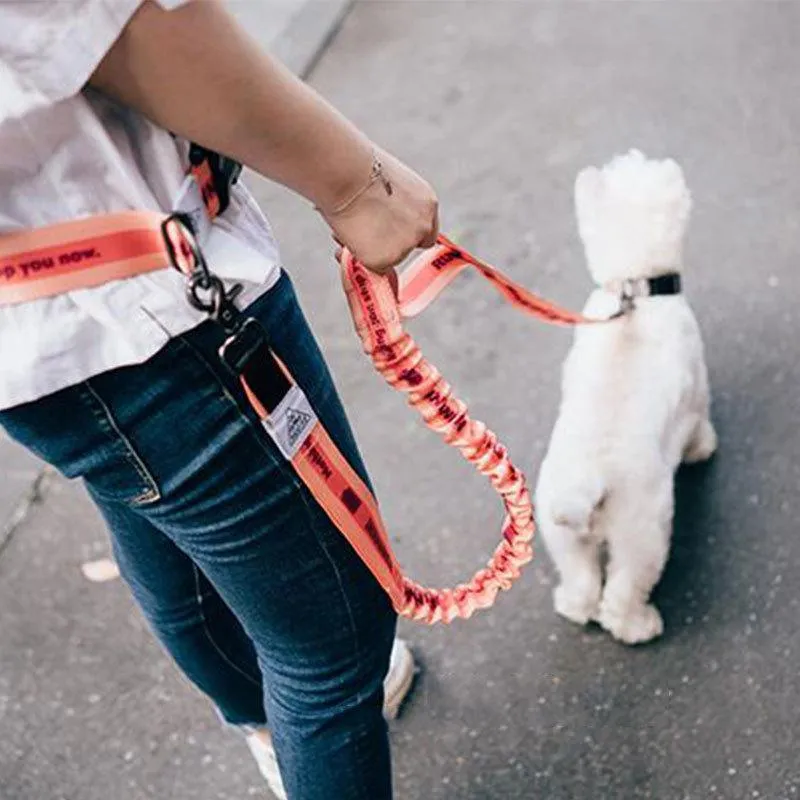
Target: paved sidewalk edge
[(309, 32), (34, 494)]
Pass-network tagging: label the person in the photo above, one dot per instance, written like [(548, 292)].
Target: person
[(254, 593)]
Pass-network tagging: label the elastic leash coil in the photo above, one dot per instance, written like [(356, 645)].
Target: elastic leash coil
[(399, 360)]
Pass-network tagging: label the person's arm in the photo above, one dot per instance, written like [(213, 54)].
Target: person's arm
[(195, 72)]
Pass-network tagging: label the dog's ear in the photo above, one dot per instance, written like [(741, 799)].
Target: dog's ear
[(673, 171), (588, 186), (680, 198)]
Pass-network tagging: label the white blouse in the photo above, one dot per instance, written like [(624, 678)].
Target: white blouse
[(67, 152)]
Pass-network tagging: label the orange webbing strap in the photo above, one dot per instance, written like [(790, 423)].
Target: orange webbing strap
[(44, 262), (291, 421), (430, 273), (204, 176)]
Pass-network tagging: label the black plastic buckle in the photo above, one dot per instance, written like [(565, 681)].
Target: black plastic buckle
[(224, 172), (247, 355), (248, 341)]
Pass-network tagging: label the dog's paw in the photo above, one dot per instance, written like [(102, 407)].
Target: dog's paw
[(641, 624), (703, 446), (575, 606)]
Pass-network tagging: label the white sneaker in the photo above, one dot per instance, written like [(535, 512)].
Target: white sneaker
[(396, 687), (399, 679), (260, 744)]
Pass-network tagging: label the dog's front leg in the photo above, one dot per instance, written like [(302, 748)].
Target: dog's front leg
[(577, 559)]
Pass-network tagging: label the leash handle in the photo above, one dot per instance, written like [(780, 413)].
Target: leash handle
[(377, 317)]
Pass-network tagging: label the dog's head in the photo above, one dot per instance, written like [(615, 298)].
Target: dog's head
[(632, 216)]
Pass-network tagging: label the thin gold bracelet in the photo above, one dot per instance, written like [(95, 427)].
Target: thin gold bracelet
[(376, 174)]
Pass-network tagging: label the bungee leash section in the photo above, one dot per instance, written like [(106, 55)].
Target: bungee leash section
[(48, 261)]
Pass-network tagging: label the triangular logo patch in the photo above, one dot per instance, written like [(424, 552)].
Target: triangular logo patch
[(296, 424)]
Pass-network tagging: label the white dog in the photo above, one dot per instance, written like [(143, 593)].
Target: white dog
[(635, 402)]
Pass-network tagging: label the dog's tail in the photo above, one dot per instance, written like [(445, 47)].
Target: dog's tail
[(570, 494)]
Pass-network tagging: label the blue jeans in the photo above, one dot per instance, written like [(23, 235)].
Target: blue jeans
[(257, 597)]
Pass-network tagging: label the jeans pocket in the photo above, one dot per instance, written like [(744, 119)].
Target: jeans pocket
[(113, 468), (74, 430)]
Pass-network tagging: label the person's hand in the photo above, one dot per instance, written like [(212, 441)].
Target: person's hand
[(381, 229)]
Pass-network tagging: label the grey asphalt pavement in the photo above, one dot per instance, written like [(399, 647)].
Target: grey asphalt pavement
[(499, 104)]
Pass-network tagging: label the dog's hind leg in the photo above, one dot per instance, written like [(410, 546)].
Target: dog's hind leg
[(702, 443), (638, 551)]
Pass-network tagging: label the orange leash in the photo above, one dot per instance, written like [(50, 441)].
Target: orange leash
[(45, 262), (49, 261), (397, 357), (434, 270), (378, 314)]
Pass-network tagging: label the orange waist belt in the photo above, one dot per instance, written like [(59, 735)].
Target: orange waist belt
[(41, 263)]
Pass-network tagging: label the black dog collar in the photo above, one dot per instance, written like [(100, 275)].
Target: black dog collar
[(667, 285), (662, 286)]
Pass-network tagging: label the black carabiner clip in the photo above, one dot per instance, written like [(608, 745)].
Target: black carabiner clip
[(205, 291)]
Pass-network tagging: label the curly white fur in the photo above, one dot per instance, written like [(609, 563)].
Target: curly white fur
[(635, 404)]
